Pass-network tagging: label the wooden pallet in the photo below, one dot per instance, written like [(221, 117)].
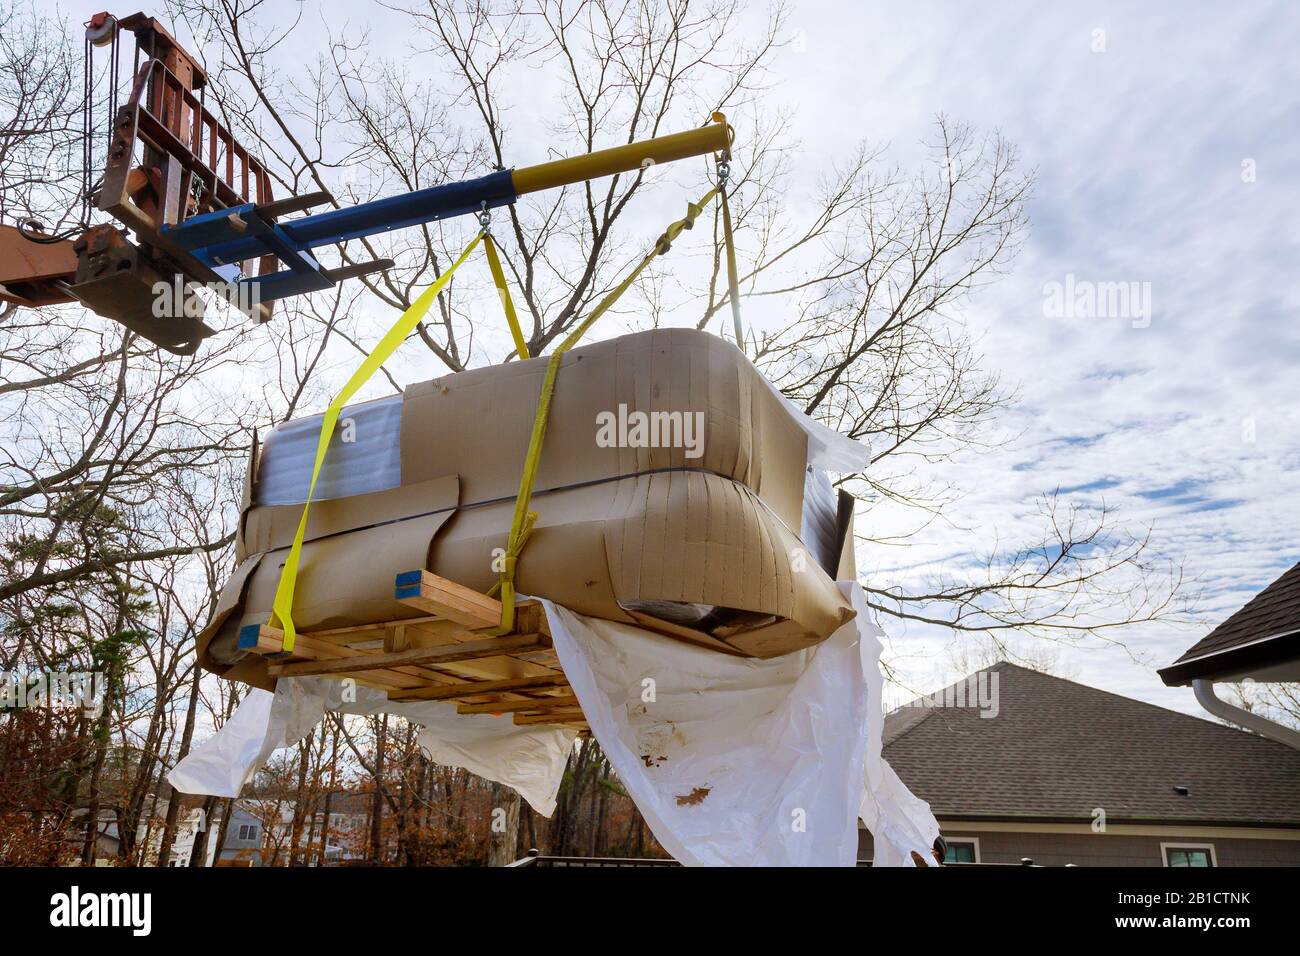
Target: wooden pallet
[(442, 654)]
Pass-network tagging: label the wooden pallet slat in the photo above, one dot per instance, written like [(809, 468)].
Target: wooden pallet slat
[(436, 595), (307, 648), (378, 631), (434, 656), (519, 706), (574, 716), (463, 689), (261, 639), (443, 654)]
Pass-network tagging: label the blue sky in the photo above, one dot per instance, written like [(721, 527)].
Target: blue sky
[(1188, 423)]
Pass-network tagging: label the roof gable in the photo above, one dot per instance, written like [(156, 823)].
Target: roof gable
[(1272, 613), (1057, 750)]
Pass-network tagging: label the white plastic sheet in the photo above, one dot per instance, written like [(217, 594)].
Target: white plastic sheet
[(828, 449), (529, 758), (899, 821), (732, 761), (741, 762)]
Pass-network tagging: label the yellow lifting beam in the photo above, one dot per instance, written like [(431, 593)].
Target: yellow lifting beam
[(714, 137)]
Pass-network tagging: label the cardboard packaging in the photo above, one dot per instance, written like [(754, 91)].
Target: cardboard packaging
[(670, 494)]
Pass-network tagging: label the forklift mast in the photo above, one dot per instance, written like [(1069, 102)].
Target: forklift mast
[(168, 158), (194, 210)]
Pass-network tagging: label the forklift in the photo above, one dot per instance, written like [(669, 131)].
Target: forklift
[(191, 211)]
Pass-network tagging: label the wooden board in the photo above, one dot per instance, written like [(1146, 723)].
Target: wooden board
[(447, 652), (428, 656), (462, 690), (537, 704), (446, 599), (573, 716)]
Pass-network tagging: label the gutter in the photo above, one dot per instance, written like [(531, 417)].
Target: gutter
[(1204, 690), (1259, 653), (970, 820)]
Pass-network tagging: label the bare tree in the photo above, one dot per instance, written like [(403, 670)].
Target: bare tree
[(120, 467), (1278, 702), (41, 135)]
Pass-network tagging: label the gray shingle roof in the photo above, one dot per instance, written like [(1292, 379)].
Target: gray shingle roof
[(1272, 613), (1057, 749)]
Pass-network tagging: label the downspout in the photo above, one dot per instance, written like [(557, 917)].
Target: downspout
[(1204, 690)]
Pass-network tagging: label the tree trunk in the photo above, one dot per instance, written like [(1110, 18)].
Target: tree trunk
[(329, 796), (325, 829), (142, 848), (310, 850), (227, 811), (504, 846), (173, 804), (569, 821), (300, 801), (129, 817), (92, 808), (404, 798), (526, 839), (101, 736), (199, 850), (377, 803), (598, 841)]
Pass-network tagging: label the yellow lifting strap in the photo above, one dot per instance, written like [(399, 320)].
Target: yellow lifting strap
[(522, 524), (503, 291), (282, 607), (523, 520), (733, 274)]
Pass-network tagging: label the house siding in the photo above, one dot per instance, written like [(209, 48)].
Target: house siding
[(347, 834), (1111, 849), (242, 851)]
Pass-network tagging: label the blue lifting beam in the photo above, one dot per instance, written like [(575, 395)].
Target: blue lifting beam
[(224, 238), (230, 236)]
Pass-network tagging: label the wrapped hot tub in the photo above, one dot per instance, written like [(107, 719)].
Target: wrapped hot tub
[(676, 491)]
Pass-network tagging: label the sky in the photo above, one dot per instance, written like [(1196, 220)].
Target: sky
[(1167, 148), (1166, 141)]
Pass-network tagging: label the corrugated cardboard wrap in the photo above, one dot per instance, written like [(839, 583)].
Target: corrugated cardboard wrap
[(618, 526)]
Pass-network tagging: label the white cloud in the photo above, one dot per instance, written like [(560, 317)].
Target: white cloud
[(1139, 151)]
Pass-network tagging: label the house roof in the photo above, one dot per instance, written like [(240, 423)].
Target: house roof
[(1055, 750), (1262, 635), (349, 801)]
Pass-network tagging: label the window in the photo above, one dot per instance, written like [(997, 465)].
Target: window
[(1188, 854), (962, 851), (248, 831)]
